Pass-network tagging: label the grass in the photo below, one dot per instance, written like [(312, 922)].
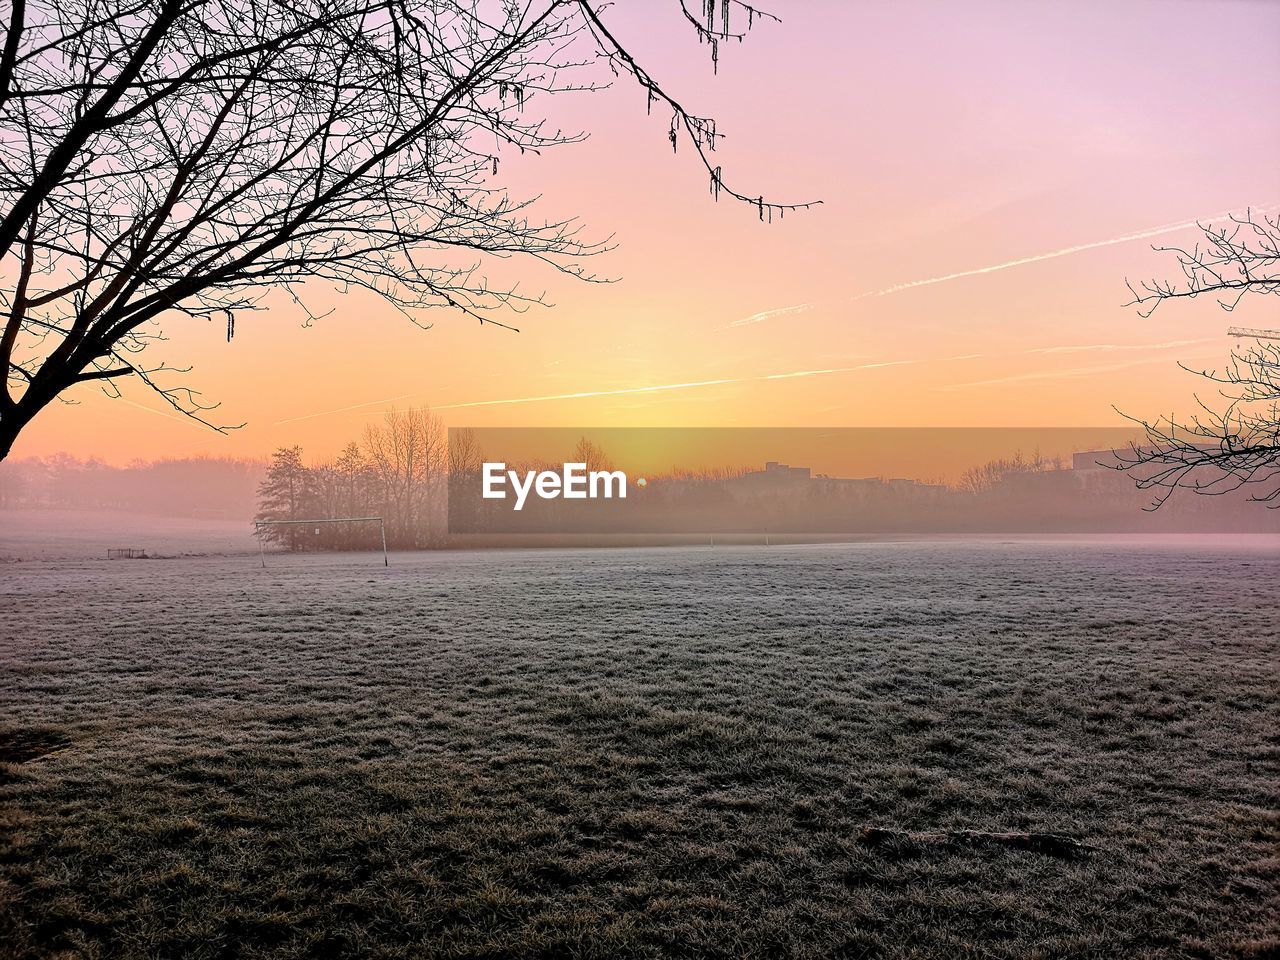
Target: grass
[(643, 754)]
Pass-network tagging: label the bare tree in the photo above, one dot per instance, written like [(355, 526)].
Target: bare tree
[(408, 454), (163, 158), (988, 476), (465, 455), (589, 452), (1232, 442)]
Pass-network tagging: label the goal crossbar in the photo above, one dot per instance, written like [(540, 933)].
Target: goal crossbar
[(382, 526)]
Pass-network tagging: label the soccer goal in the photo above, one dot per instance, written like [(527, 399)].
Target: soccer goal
[(126, 553), (258, 526)]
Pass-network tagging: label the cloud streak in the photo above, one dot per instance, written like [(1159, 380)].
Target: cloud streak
[(1117, 347), (788, 375), (354, 406), (1146, 234), (661, 387), (1048, 375), (1074, 372), (770, 314)]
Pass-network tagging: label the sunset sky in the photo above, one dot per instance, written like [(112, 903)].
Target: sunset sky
[(973, 142)]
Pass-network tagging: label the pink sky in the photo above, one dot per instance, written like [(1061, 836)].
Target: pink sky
[(942, 138)]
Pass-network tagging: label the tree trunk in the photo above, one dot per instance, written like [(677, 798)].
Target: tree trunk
[(11, 424)]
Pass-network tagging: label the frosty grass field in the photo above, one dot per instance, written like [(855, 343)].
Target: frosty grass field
[(644, 753)]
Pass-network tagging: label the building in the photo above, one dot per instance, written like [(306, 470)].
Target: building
[(775, 472)]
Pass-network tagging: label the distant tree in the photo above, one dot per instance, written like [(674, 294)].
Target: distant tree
[(465, 455), (407, 453), (63, 480), (988, 476), (1233, 442), (180, 158), (198, 486), (703, 474), (588, 452), (195, 486), (346, 487), (287, 493), (359, 494), (14, 485), (466, 460), (326, 501)]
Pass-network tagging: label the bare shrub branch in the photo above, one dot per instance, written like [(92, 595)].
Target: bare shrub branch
[(1232, 442), (1237, 258)]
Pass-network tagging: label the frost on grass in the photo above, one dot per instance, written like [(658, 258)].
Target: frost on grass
[(645, 753)]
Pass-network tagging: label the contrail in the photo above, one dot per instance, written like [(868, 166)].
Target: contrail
[(356, 406), (1112, 347), (1021, 261), (818, 373), (759, 378), (657, 388), (159, 413), (770, 314), (1072, 373), (794, 374), (1083, 371)]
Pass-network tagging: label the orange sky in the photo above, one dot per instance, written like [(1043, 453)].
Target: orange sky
[(942, 141)]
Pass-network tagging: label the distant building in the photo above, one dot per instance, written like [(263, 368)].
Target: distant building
[(1095, 460), (777, 474), (1048, 481), (775, 471)]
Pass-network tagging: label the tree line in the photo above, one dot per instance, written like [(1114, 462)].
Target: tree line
[(221, 487), (398, 471)]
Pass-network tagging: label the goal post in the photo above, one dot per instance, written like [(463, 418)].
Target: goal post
[(262, 547)]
